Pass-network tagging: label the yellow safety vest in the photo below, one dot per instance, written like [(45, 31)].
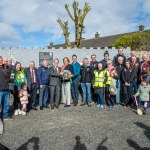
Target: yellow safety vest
[(109, 78), (100, 77)]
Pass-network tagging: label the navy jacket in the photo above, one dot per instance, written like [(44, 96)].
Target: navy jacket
[(43, 75)]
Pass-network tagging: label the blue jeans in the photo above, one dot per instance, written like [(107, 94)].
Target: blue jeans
[(100, 99), (5, 102), (86, 89), (118, 86), (75, 91), (43, 97)]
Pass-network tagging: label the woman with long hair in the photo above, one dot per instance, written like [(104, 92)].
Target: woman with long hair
[(18, 80), (127, 78), (67, 72)]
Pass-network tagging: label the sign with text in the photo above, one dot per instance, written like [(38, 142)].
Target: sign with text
[(46, 55)]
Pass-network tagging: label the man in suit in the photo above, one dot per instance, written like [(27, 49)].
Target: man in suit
[(32, 83), (55, 84)]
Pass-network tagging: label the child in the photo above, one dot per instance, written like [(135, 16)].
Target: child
[(23, 95), (144, 91)]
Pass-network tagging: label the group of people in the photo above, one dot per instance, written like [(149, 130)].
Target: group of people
[(106, 83)]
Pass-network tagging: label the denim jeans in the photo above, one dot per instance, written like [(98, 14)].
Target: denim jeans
[(100, 99), (5, 102), (75, 91), (118, 85), (86, 89), (43, 97)]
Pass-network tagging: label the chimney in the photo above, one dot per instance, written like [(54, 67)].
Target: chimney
[(51, 44), (97, 35), (141, 28)]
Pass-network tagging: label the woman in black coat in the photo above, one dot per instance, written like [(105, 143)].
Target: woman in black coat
[(127, 78)]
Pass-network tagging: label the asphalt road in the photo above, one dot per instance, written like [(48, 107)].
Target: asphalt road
[(78, 128)]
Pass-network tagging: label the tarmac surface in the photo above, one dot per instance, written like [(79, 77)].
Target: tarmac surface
[(78, 128)]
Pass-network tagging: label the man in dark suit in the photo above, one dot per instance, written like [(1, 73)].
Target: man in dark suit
[(32, 83), (55, 84)]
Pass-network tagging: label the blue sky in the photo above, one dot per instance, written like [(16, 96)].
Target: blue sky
[(32, 23)]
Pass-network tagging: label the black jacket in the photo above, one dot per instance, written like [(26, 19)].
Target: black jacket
[(104, 62), (94, 64), (127, 75), (115, 59), (119, 69), (137, 59), (136, 71), (28, 76), (87, 73), (4, 78)]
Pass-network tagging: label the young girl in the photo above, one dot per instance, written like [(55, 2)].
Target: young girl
[(144, 91), (23, 95)]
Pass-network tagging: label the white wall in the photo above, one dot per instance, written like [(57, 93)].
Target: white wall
[(26, 55)]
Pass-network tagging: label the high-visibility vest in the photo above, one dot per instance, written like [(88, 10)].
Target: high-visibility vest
[(108, 82), (100, 77)]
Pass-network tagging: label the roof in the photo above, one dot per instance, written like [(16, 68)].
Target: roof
[(106, 41)]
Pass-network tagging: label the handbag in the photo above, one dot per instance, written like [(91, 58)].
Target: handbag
[(98, 90)]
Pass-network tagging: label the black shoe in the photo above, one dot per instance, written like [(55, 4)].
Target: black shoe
[(144, 111), (34, 108), (67, 106), (46, 106), (89, 104), (75, 104), (83, 104), (41, 108), (8, 118), (57, 106), (52, 107)]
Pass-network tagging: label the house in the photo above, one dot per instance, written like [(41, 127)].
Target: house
[(98, 41)]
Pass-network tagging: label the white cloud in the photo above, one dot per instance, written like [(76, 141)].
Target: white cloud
[(106, 16), (8, 35)]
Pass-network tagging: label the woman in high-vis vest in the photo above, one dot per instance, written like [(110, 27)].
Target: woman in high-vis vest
[(100, 81)]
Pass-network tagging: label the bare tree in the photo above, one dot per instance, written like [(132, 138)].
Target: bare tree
[(78, 18)]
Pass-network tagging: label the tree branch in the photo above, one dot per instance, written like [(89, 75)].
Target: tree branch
[(67, 8)]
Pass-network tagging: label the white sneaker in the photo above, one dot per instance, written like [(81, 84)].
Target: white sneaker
[(98, 106), (101, 107), (23, 113), (16, 112), (19, 112)]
